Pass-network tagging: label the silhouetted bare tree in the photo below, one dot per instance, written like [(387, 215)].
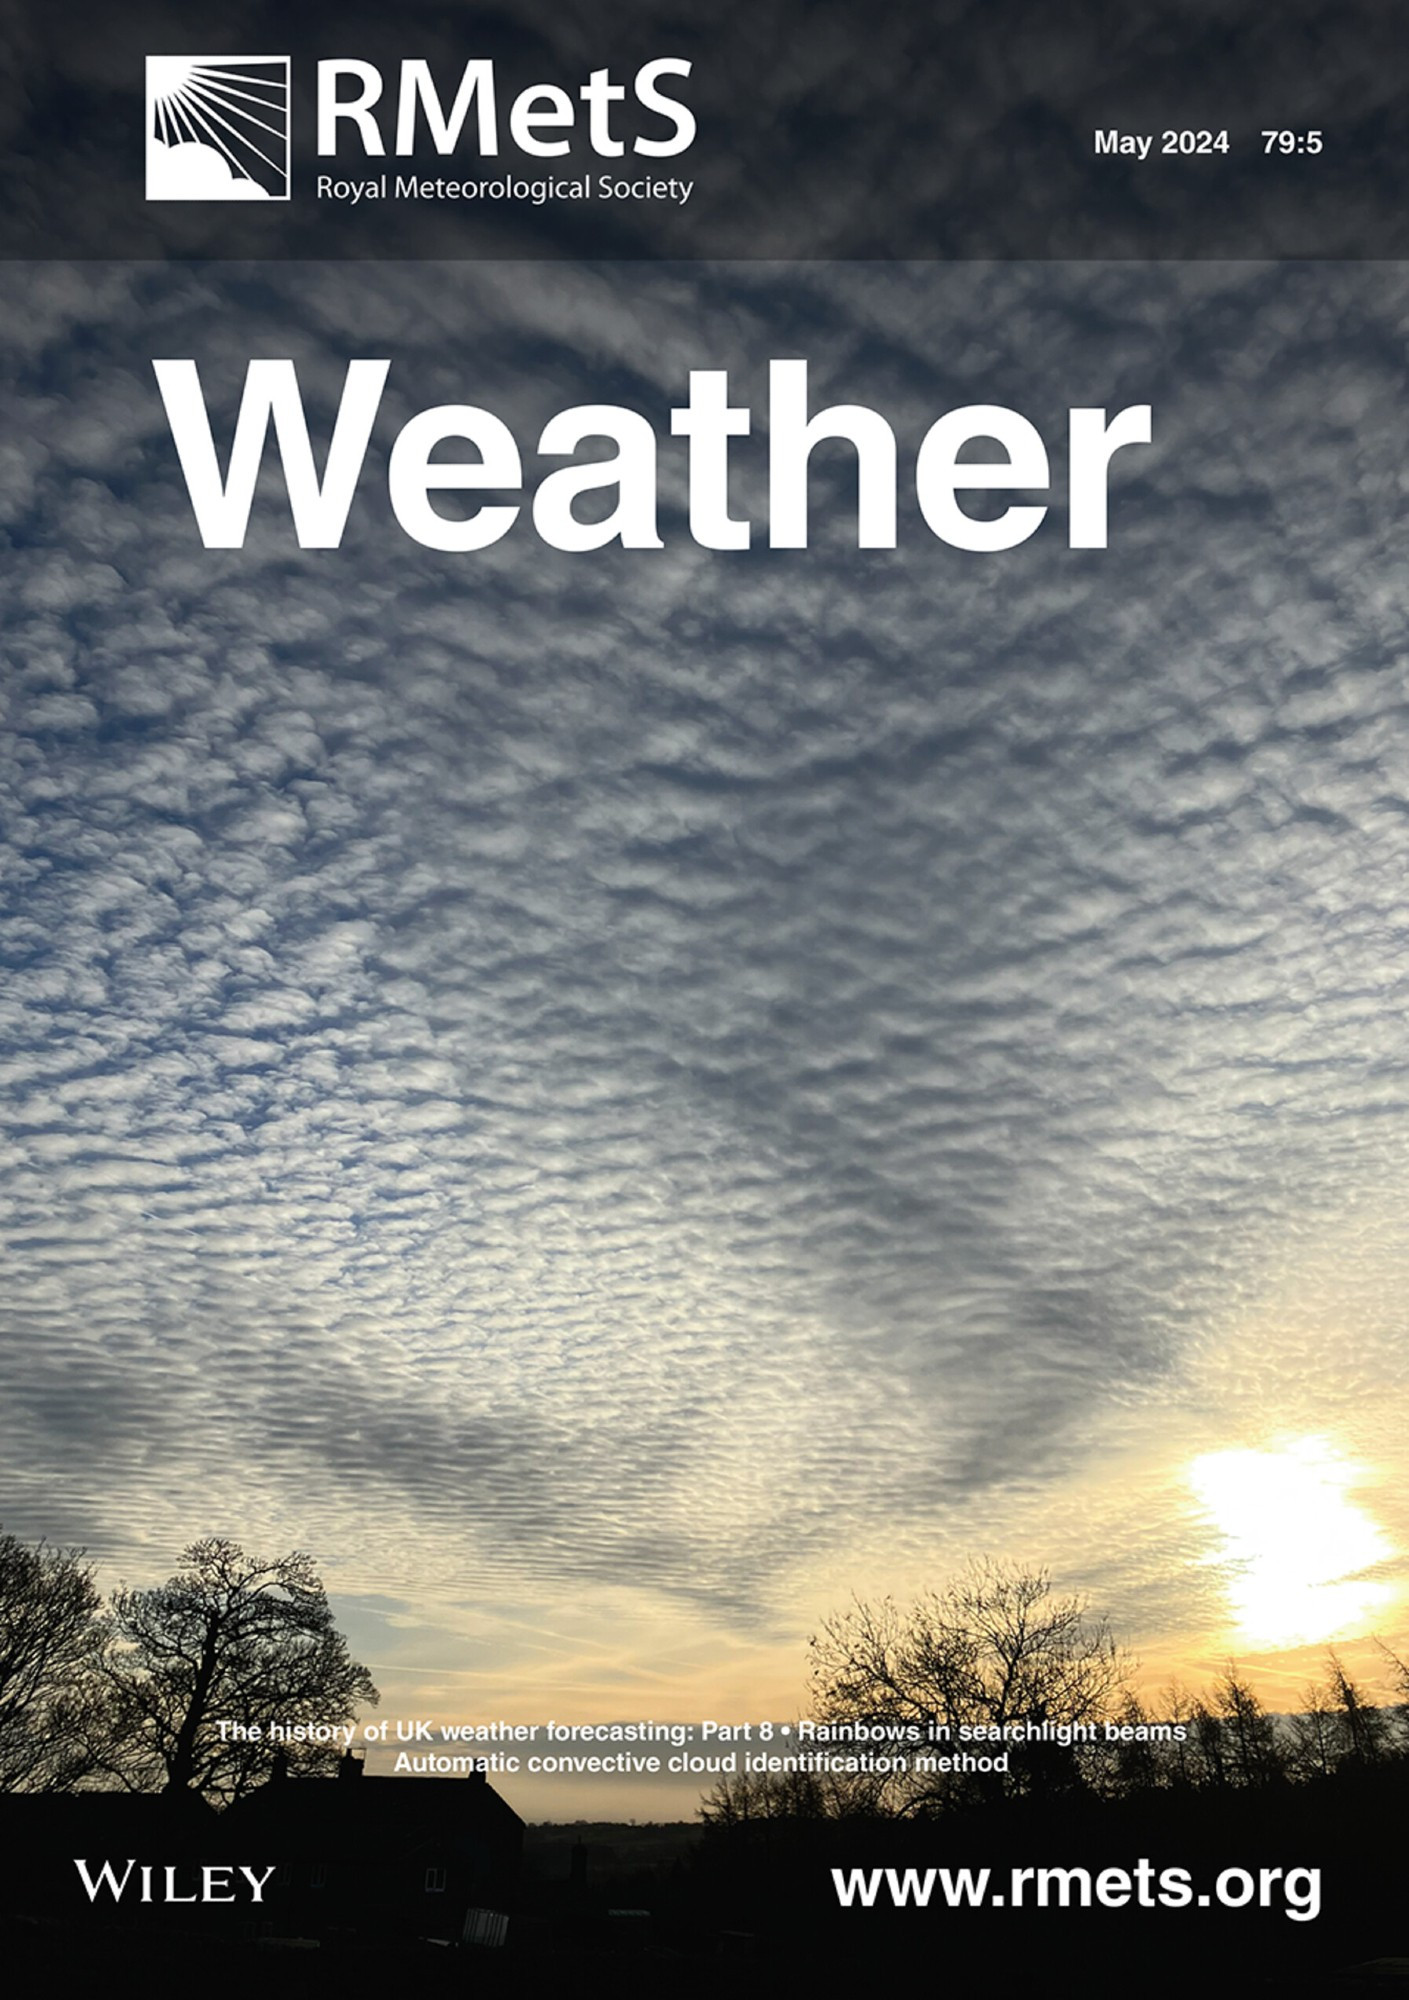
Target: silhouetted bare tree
[(1314, 1737), (1250, 1751), (995, 1648), (1399, 1674), (51, 1639), (1366, 1730), (745, 1797), (230, 1638)]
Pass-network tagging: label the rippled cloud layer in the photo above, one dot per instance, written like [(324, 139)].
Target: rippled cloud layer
[(690, 1076)]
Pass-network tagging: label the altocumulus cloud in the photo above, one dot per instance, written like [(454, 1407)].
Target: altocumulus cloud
[(640, 1068)]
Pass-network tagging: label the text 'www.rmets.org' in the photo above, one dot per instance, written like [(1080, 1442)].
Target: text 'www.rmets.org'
[(1296, 1891)]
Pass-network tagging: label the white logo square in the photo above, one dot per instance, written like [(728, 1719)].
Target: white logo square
[(218, 128)]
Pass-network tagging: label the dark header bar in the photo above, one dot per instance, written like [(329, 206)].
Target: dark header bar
[(1012, 129)]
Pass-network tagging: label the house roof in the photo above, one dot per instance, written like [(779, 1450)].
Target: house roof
[(391, 1812)]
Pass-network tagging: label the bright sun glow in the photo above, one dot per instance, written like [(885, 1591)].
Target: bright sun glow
[(1294, 1543)]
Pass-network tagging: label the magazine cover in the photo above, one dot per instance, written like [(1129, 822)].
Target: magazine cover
[(705, 728)]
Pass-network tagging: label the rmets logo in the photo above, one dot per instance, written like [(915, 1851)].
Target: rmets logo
[(218, 128)]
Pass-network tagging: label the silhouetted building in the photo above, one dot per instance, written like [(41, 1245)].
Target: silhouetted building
[(433, 1858)]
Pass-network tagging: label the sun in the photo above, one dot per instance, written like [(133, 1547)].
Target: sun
[(1295, 1545), (169, 75)]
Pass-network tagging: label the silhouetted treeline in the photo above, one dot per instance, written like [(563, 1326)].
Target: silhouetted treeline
[(1038, 1693), (169, 1688), (1221, 1740)]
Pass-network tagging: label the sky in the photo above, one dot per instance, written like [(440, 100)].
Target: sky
[(623, 1100)]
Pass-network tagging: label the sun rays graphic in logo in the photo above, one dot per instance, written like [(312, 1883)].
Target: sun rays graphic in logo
[(217, 128)]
